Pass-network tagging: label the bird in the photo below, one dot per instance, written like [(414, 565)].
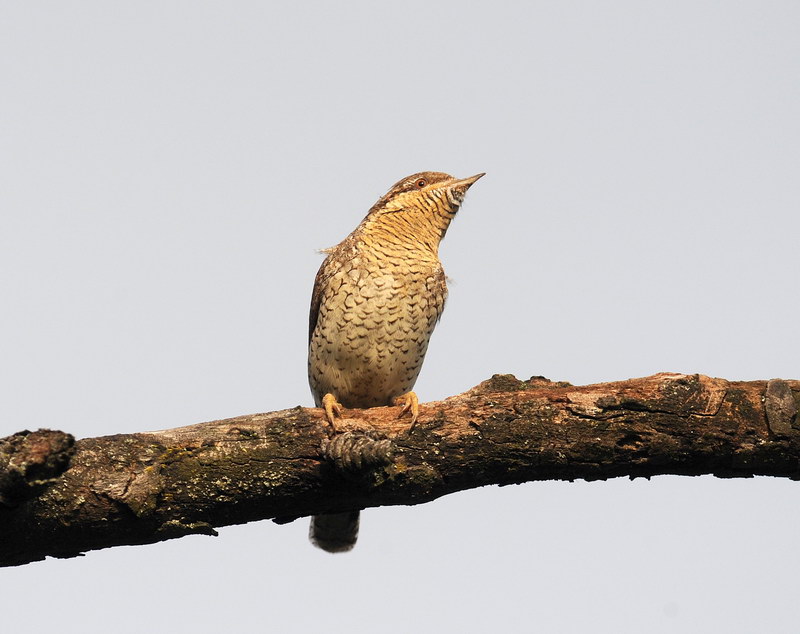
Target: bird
[(377, 297)]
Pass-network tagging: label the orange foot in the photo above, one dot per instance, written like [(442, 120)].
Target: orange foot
[(410, 403), (332, 409)]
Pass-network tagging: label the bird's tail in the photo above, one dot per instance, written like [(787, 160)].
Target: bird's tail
[(335, 533)]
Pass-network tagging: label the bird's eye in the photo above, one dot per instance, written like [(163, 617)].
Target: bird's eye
[(421, 183)]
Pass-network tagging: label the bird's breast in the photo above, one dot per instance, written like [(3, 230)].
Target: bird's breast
[(373, 330)]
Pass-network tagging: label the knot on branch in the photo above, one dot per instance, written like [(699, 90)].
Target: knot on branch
[(357, 450), (30, 460), (510, 383), (780, 406)]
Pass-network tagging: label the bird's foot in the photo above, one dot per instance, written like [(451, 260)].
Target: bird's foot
[(410, 403), (333, 408)]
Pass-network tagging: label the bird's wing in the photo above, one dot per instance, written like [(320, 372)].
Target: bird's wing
[(316, 299), (437, 289), (327, 270)]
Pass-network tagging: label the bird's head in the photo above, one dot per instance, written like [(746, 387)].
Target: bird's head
[(422, 205)]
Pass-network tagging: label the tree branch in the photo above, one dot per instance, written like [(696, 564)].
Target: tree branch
[(61, 497)]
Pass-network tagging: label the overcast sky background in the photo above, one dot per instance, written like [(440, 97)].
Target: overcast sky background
[(168, 169)]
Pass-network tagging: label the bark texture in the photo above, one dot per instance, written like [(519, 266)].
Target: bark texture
[(60, 497)]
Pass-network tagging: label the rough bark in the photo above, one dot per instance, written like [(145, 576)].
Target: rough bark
[(60, 497)]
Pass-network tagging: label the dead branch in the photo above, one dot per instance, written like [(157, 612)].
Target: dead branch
[(60, 497)]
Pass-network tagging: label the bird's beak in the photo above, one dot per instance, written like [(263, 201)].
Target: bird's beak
[(466, 182)]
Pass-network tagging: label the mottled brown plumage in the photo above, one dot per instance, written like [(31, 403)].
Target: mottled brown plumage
[(376, 300)]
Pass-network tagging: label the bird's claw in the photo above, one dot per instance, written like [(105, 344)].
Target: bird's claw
[(332, 409), (410, 404)]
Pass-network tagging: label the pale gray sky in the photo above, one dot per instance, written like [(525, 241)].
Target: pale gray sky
[(167, 170)]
